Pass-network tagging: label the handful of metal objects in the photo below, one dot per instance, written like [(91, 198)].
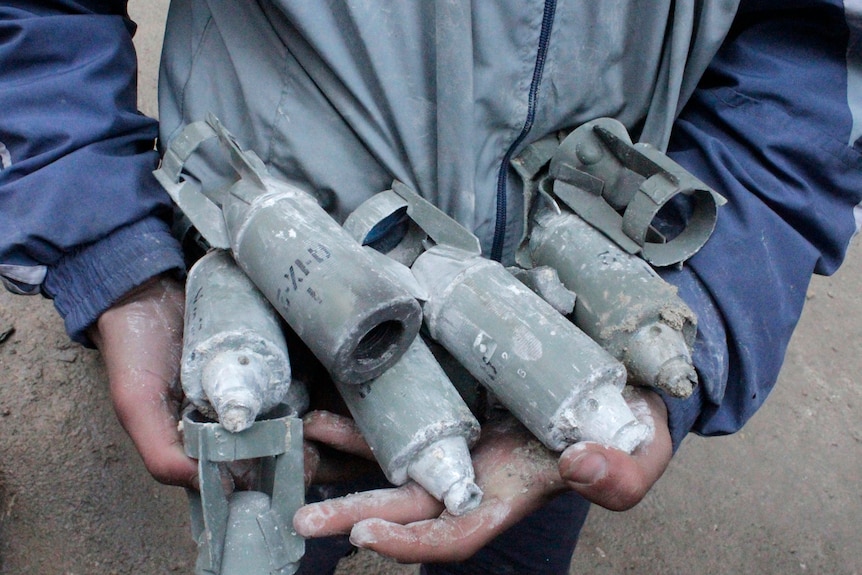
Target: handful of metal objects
[(556, 354)]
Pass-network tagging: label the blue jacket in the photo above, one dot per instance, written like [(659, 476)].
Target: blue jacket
[(82, 219), (773, 124)]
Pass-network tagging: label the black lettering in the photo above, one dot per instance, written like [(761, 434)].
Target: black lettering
[(301, 267), (281, 298), (292, 277), (313, 295), (322, 255)]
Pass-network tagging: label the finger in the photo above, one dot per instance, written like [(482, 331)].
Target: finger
[(607, 477), (336, 448), (337, 516), (610, 477), (242, 473), (140, 339), (148, 416), (335, 431), (311, 460), (442, 540)]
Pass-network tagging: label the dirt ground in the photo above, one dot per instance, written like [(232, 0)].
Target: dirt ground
[(782, 496)]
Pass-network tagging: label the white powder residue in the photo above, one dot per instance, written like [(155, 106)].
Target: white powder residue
[(5, 156)]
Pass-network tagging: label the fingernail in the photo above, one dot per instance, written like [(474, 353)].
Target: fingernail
[(305, 522), (362, 535), (587, 469)]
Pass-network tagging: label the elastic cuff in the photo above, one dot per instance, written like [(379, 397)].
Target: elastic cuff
[(682, 414), (710, 357), (87, 281)]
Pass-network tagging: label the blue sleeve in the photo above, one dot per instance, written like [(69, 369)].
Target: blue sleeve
[(772, 127), (83, 219)]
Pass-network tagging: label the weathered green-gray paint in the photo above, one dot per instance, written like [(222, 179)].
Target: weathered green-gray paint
[(556, 380), (234, 360), (248, 533), (419, 428), (621, 302), (350, 313)]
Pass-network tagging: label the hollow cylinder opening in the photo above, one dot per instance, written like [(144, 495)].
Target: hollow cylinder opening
[(378, 341)]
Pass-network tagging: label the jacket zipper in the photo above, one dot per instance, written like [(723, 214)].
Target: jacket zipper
[(503, 174)]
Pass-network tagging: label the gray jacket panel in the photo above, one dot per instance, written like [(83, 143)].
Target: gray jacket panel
[(342, 97)]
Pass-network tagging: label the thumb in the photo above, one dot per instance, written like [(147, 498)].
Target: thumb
[(615, 479), (605, 476)]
